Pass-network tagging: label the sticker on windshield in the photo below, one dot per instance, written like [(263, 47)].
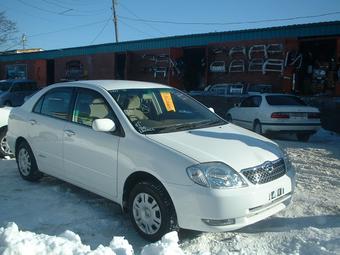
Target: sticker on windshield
[(168, 102)]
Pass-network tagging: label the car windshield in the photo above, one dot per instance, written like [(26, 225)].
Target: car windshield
[(4, 86), (284, 100), (159, 110)]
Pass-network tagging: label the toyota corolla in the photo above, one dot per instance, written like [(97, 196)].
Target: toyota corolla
[(166, 159)]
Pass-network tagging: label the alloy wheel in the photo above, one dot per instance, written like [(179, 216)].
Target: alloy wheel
[(4, 146)]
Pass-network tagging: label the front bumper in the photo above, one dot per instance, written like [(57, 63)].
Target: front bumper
[(243, 206)]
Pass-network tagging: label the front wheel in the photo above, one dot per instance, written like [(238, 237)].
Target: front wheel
[(4, 147), (151, 211), (27, 164)]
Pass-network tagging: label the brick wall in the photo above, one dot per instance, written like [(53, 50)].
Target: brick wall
[(36, 70)]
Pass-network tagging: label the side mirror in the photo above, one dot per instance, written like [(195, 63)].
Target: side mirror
[(104, 125), (211, 109)]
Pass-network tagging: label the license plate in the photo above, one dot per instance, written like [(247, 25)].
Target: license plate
[(298, 115), (276, 193)]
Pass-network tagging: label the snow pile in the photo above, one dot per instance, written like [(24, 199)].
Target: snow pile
[(167, 246), (14, 242), (325, 136)]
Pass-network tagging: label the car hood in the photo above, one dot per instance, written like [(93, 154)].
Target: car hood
[(235, 146)]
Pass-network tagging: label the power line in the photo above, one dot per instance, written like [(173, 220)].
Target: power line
[(227, 23), (66, 29), (136, 29), (149, 25), (49, 11), (73, 9), (61, 30), (101, 31)]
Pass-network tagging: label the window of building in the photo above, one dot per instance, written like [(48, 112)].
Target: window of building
[(17, 71)]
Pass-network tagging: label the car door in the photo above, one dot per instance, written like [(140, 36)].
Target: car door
[(90, 157), (247, 111), (47, 120), (253, 110)]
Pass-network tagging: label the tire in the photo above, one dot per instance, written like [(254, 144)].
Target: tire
[(151, 211), (8, 103), (229, 118), (4, 148), (26, 162), (303, 137), (257, 127)]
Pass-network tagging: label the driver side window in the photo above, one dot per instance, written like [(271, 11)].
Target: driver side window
[(89, 106)]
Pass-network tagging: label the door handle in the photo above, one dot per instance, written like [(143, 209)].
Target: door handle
[(33, 122), (69, 133)]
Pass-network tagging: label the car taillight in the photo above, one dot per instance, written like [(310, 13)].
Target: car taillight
[(313, 115), (280, 115)]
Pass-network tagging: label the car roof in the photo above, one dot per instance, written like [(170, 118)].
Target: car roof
[(115, 84)]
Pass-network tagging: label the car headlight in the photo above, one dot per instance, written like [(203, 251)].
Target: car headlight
[(216, 175)]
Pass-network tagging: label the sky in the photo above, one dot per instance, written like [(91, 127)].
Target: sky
[(55, 24)]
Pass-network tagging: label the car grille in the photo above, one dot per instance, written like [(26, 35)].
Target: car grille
[(267, 172)]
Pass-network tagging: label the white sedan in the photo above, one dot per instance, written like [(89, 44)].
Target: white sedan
[(163, 157), (270, 113), (4, 148)]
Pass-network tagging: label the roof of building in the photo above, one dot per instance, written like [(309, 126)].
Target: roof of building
[(292, 31)]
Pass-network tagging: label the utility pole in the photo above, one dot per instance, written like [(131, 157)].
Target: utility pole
[(23, 41), (115, 19)]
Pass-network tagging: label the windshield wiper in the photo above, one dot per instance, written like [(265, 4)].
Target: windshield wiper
[(189, 125), (213, 123)]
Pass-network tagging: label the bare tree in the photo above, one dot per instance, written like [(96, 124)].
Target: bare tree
[(8, 29)]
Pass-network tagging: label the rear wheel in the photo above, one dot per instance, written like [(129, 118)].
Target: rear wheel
[(27, 164), (257, 128), (303, 137), (229, 118), (4, 148), (151, 210)]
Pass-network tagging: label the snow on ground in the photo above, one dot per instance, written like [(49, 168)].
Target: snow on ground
[(53, 217)]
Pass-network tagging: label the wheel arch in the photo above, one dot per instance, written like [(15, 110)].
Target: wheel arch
[(256, 121), (135, 178), (19, 140), (3, 128)]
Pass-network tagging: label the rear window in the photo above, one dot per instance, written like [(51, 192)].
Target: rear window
[(284, 100)]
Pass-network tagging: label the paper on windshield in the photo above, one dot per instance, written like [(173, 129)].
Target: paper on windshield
[(168, 102)]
